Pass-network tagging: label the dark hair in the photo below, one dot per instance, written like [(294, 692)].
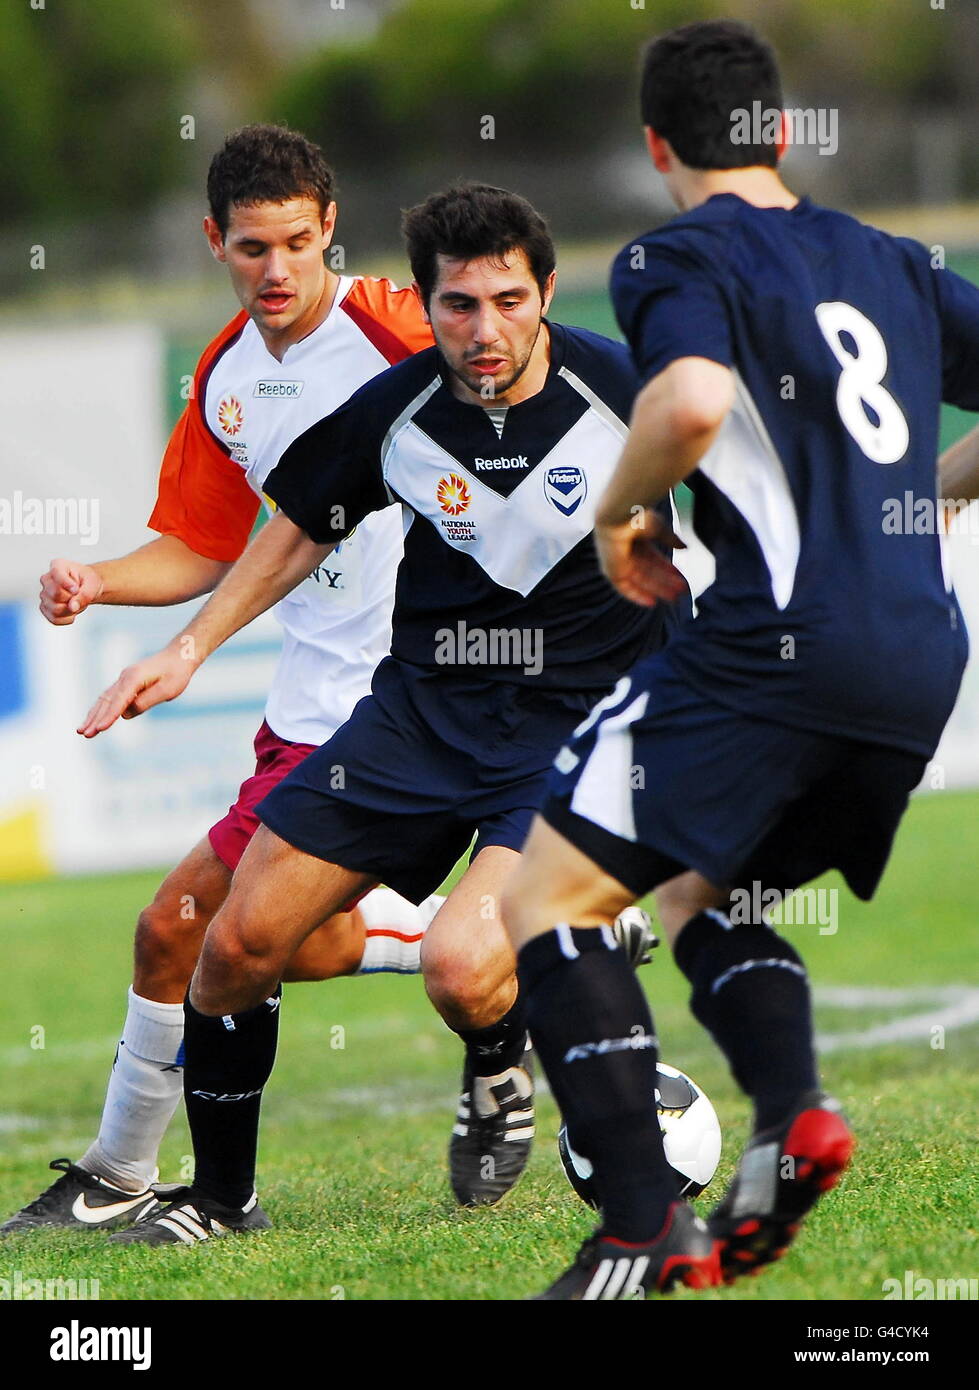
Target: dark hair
[(696, 78), (472, 220), (266, 164)]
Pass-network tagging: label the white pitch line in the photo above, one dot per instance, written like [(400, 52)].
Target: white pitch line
[(958, 1007), (11, 1123)]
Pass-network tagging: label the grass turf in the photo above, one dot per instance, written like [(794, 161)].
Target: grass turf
[(358, 1112)]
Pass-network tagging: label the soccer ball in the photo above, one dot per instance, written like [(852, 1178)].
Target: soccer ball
[(691, 1137)]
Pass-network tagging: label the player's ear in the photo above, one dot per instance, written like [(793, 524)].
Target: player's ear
[(659, 150), (329, 223), (782, 143), (421, 300), (215, 240), (548, 294)]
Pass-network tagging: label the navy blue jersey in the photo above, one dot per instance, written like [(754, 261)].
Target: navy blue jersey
[(499, 570), (829, 611)]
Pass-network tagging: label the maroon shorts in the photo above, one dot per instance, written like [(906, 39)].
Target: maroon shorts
[(274, 757)]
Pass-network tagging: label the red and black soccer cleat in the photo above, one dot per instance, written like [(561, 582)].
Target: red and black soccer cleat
[(782, 1174), (609, 1269)]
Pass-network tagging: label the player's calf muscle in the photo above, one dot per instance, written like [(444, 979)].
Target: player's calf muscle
[(335, 948), (169, 932), (681, 898)]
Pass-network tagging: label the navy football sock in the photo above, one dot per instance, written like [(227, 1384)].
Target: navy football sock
[(593, 1032), (227, 1061), (751, 992), (500, 1046)]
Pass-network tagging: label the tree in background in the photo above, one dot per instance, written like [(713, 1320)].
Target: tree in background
[(559, 75)]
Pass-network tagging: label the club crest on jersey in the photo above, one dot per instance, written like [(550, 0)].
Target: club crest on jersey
[(231, 417), (565, 487), (453, 494)]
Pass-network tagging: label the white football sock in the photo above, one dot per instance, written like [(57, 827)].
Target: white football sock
[(144, 1089), (395, 928)]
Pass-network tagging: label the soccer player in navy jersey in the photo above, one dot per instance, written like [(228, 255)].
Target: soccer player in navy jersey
[(497, 443), (794, 362)]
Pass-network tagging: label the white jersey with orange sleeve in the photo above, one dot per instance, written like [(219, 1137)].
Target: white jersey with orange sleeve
[(246, 409)]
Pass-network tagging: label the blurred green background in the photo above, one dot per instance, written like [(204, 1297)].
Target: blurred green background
[(109, 115)]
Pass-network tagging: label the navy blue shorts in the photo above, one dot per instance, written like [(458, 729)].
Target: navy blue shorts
[(664, 780), (425, 762)]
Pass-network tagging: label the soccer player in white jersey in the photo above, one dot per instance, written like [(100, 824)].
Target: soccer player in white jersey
[(304, 340)]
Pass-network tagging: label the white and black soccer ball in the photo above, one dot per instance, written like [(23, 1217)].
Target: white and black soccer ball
[(691, 1137)]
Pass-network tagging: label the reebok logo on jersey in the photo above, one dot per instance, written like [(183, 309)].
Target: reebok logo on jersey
[(278, 390), (520, 461)]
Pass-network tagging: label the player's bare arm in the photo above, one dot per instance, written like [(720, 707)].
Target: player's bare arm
[(278, 559), (162, 572), (675, 420), (958, 469)]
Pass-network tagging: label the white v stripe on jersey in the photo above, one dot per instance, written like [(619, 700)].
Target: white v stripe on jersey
[(517, 539), (618, 427), (743, 464)]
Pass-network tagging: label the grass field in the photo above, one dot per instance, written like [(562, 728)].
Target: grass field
[(358, 1111)]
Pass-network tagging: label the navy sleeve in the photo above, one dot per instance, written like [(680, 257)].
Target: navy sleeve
[(668, 306), (330, 477), (958, 308)]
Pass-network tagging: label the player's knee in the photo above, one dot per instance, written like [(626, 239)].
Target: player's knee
[(234, 952), (165, 940), (461, 987)]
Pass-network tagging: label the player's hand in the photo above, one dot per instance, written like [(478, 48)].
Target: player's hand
[(149, 682), (67, 590), (631, 559)]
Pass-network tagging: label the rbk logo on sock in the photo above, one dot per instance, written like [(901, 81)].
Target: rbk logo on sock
[(238, 1095), (636, 1043)]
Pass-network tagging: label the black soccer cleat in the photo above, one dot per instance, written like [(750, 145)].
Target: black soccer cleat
[(608, 1269), (81, 1200), (190, 1219), (782, 1174), (492, 1135), (633, 930)]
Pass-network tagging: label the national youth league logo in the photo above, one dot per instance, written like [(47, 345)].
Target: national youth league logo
[(230, 415)]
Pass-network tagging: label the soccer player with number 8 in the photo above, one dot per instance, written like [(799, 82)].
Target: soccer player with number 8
[(794, 362)]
